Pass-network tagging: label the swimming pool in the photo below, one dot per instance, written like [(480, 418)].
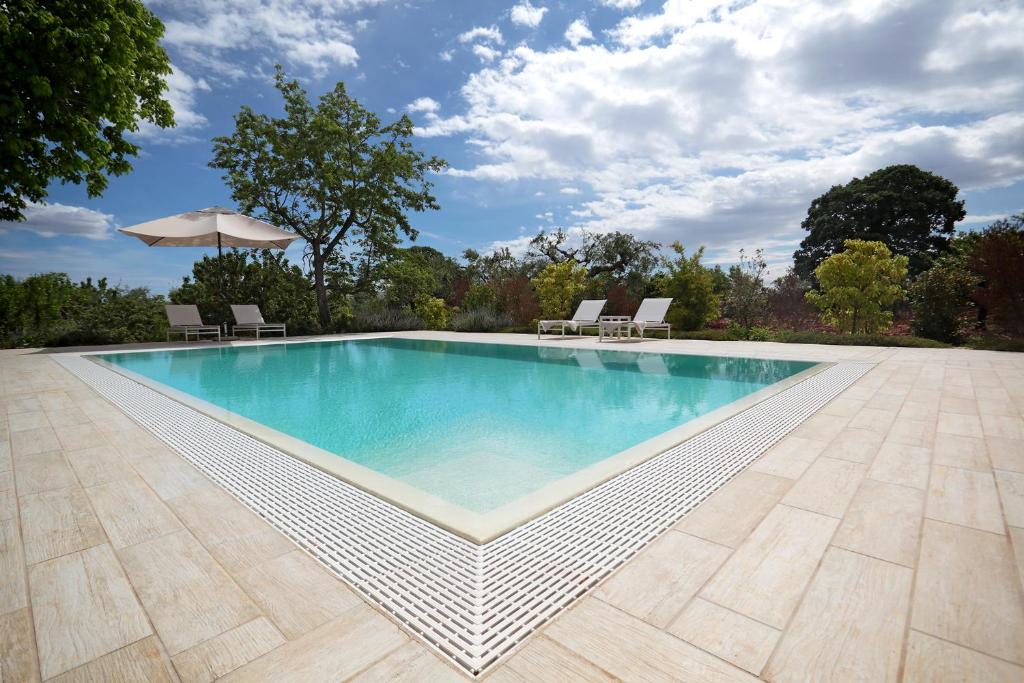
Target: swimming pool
[(476, 437)]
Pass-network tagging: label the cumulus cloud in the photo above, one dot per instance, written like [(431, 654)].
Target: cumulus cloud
[(181, 95), (489, 34), (578, 32), (622, 4), (719, 122), (526, 14), (426, 105), (316, 34), (485, 53), (56, 220)]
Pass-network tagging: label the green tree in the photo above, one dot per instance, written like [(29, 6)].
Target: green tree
[(407, 279), (330, 172), (858, 285), (911, 211), (557, 286), (75, 77), (690, 284), (940, 298), (998, 259), (746, 303), (480, 295), (615, 253), (265, 278)]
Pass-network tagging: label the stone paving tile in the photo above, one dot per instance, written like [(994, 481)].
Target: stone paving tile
[(968, 591), (966, 452), (141, 661), (658, 583), (903, 465), (930, 660), (335, 651), (631, 649), (964, 497), (849, 625), (18, 660), (55, 523), (766, 576), (1011, 492), (1006, 454), (734, 510), (98, 465), (224, 653), (855, 445), (13, 594), (960, 425), (130, 512), (189, 597), (83, 607), (413, 662), (735, 638), (883, 521), (826, 487), (789, 458)]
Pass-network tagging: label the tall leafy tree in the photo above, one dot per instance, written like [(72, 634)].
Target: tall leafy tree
[(75, 77), (911, 211), (616, 253), (689, 283), (998, 259), (330, 172)]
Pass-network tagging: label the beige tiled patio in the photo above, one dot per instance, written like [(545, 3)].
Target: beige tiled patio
[(882, 540)]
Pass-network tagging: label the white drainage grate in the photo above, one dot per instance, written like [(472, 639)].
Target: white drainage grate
[(472, 603)]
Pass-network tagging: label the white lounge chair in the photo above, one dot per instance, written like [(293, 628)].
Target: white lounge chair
[(650, 316), (585, 316), (248, 319), (184, 319)]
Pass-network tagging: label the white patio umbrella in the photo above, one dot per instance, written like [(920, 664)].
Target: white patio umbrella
[(212, 227), (215, 226)]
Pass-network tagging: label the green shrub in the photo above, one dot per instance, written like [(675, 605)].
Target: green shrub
[(382, 318), (480, 320), (939, 298), (432, 311), (480, 295), (991, 343), (691, 286), (557, 286), (760, 334), (858, 286), (789, 337)]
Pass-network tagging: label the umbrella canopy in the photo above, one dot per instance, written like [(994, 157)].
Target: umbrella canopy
[(211, 227)]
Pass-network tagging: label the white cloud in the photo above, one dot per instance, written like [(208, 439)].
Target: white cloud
[(56, 220), (485, 53), (427, 105), (570, 190), (446, 55), (578, 32), (316, 34), (622, 4), (719, 122), (181, 95), (489, 34), (526, 14)]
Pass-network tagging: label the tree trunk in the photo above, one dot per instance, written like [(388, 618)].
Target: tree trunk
[(323, 312)]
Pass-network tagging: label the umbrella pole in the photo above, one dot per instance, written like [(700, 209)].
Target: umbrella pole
[(220, 278)]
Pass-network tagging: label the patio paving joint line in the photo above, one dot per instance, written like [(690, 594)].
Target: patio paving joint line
[(471, 603)]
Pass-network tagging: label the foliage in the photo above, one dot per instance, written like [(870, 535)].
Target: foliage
[(50, 310), (619, 301), (432, 311), (616, 253), (911, 211), (75, 77), (497, 265), (787, 302), (809, 337), (939, 298), (330, 172), (858, 285), (993, 343), (376, 316), (998, 259), (760, 334), (264, 278), (690, 284), (479, 320), (480, 295), (516, 300), (557, 286), (746, 303), (407, 279)]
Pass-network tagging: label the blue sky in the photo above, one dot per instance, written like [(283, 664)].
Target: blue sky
[(702, 121)]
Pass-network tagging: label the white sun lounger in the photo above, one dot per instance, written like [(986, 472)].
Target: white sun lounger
[(248, 319), (650, 316), (586, 316), (184, 319)]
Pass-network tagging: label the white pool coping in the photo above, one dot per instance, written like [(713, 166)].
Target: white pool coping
[(477, 527), (473, 603)]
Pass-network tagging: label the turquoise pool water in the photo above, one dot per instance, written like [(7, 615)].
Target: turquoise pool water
[(478, 425)]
